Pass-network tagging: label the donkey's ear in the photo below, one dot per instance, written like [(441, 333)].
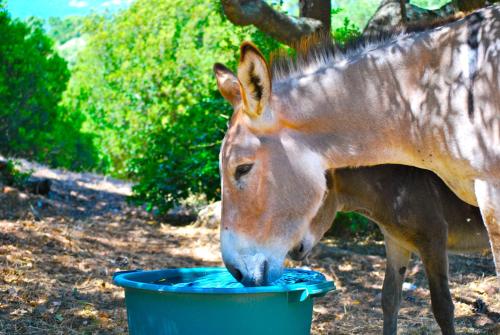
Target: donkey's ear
[(228, 84), (255, 79)]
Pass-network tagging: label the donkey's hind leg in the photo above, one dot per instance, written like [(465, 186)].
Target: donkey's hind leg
[(488, 199), (397, 262), (435, 258)]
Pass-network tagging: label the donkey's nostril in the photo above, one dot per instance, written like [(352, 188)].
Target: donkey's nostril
[(235, 272), (299, 252), (238, 275), (265, 270)]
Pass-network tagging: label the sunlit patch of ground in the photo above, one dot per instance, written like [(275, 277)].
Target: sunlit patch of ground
[(57, 256)]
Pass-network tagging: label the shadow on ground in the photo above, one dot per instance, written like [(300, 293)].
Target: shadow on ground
[(58, 254)]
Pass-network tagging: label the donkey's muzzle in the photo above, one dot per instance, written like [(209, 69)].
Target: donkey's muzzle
[(301, 251), (235, 272), (298, 253), (254, 272)]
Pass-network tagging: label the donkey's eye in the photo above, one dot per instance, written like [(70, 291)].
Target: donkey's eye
[(242, 170)]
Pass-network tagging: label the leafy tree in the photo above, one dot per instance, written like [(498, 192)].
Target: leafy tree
[(32, 80), (145, 85)]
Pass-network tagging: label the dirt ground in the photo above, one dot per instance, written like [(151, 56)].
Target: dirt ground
[(58, 254)]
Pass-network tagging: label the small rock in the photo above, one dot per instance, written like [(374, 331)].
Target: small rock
[(121, 261), (40, 309), (10, 190), (483, 320), (23, 196), (480, 307), (410, 299), (210, 216), (408, 287), (40, 186), (75, 293)]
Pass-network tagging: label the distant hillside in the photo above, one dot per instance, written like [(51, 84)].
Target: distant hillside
[(63, 8), (70, 35), (65, 20)]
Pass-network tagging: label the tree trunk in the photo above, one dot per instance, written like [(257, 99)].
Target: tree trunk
[(319, 10), (402, 8), (392, 14), (469, 5)]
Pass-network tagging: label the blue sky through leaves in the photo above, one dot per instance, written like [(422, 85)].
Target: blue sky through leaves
[(62, 8)]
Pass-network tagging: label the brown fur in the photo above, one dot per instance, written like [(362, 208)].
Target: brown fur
[(417, 213)]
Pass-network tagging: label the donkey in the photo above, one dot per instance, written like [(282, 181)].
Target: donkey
[(417, 213), (429, 99)]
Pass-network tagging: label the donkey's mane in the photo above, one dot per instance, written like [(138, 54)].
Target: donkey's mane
[(319, 50)]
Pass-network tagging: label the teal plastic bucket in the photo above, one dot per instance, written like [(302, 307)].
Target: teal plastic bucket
[(168, 302)]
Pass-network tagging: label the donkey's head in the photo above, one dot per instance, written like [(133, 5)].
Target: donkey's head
[(321, 222), (272, 183)]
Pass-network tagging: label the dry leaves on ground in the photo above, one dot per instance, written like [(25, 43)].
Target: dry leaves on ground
[(58, 254)]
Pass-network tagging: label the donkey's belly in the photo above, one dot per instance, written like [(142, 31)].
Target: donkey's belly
[(463, 188)]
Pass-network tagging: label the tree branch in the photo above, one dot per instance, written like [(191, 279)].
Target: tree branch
[(402, 8), (393, 13), (387, 17), (469, 5), (279, 26)]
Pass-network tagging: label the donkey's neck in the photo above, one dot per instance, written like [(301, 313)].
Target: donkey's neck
[(360, 190), (359, 112)]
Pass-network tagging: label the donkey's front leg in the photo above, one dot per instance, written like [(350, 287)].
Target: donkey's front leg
[(397, 262), (435, 259), (488, 199)]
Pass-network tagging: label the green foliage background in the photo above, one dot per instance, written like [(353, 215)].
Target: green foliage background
[(33, 78), (150, 98), (137, 99)]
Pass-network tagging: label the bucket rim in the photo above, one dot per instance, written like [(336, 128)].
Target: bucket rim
[(128, 279)]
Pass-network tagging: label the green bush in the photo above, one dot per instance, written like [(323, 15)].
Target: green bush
[(11, 175), (181, 158), (345, 31), (350, 223), (146, 87), (32, 80)]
